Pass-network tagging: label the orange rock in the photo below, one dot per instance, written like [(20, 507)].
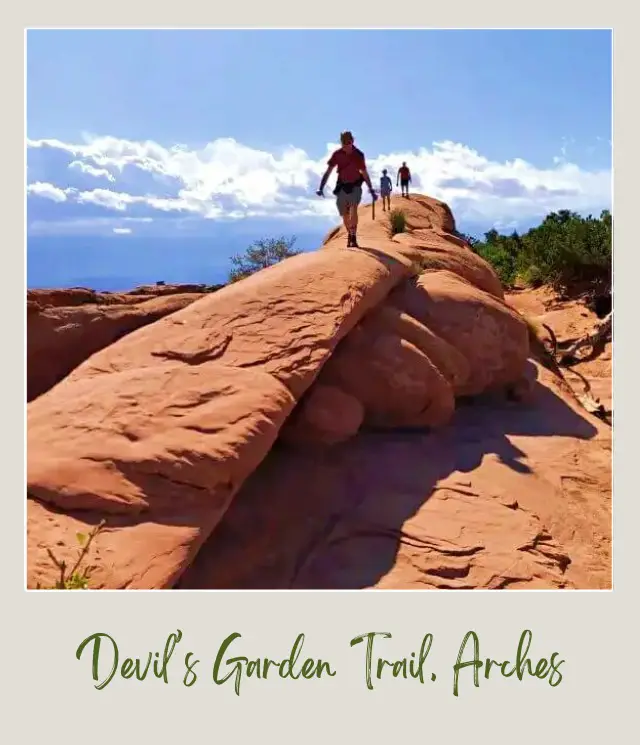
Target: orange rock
[(60, 337), (492, 337), (327, 415), (508, 496), (158, 431), (168, 432), (158, 452)]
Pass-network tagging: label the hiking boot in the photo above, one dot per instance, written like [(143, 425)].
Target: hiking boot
[(349, 240), (354, 241)]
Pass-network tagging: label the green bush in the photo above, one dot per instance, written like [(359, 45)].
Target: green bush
[(530, 276), (260, 255), (564, 249), (502, 261), (398, 221)]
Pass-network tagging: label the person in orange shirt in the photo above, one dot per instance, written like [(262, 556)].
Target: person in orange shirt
[(404, 177), (352, 172)]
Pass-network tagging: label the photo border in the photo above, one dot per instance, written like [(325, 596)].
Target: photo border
[(588, 627)]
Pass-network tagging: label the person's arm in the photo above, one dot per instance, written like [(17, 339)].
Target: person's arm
[(367, 180), (365, 175), (325, 178)]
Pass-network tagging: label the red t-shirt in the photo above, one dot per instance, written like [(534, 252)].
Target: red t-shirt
[(349, 165), (405, 174)]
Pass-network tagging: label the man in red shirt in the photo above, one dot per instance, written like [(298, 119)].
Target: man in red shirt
[(404, 177), (352, 172)]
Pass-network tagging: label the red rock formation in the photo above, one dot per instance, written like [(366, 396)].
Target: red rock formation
[(64, 327), (167, 434)]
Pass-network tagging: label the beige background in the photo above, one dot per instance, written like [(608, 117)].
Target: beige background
[(48, 695)]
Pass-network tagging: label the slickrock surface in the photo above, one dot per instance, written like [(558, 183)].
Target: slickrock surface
[(506, 496), (304, 428), (65, 327)]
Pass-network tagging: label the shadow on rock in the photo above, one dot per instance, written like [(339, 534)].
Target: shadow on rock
[(335, 518)]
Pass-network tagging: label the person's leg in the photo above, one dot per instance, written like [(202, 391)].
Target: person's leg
[(354, 201), (343, 210), (348, 217), (353, 212)]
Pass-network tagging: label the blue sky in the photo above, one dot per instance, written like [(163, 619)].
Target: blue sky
[(186, 132)]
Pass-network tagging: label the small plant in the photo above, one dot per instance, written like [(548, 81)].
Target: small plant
[(531, 276), (75, 579), (260, 255), (398, 221)]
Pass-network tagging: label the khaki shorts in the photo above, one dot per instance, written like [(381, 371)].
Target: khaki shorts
[(344, 200)]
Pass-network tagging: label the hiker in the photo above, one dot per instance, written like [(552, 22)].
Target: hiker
[(352, 172), (404, 177), (386, 188)]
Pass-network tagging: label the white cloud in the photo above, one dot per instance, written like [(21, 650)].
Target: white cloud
[(84, 225), (229, 180), (121, 200), (91, 170), (48, 191), (122, 231), (106, 198)]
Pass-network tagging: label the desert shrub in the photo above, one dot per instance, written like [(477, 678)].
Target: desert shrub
[(471, 241), (564, 249), (530, 276), (502, 261), (72, 578), (260, 255), (398, 221)]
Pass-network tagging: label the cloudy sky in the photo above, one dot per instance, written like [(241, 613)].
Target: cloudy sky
[(162, 132)]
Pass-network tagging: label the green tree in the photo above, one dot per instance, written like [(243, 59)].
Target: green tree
[(473, 242), (260, 255), (564, 249)]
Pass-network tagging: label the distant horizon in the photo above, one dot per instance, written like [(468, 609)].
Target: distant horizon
[(119, 263), (514, 124), (89, 261)]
